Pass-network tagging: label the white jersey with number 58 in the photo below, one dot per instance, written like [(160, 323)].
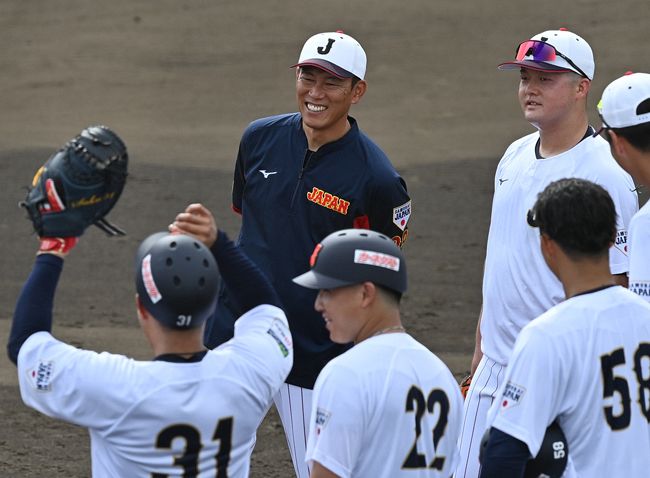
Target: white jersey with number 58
[(161, 418), (586, 362)]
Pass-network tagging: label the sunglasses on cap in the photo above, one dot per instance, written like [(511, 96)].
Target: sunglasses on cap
[(543, 52)]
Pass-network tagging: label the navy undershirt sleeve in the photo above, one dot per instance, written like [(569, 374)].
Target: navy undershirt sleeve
[(504, 456), (33, 311), (247, 284)]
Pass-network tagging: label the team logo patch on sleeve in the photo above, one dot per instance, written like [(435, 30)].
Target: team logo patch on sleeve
[(512, 395), (41, 376), (621, 241), (322, 417), (401, 215), (279, 334)]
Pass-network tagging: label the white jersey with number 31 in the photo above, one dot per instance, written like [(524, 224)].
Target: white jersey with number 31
[(586, 362), (160, 418)]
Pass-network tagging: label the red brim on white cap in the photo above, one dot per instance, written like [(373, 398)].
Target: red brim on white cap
[(326, 66), (533, 65)]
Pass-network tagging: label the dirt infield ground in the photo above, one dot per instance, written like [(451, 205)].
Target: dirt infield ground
[(179, 80)]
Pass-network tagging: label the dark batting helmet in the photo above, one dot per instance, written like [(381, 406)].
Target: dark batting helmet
[(176, 279), (551, 459), (353, 256)]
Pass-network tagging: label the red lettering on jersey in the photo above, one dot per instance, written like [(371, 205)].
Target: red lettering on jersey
[(328, 200), (343, 207), (315, 195)]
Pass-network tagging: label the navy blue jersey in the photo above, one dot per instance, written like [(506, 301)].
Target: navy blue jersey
[(290, 198)]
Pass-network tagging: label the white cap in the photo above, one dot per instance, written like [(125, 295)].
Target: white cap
[(619, 106), (566, 43), (336, 53)]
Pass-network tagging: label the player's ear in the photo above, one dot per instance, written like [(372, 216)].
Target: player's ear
[(358, 91), (549, 249), (618, 144), (142, 312), (368, 293), (583, 87)]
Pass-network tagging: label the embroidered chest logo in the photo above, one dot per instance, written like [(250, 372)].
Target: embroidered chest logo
[(328, 201)]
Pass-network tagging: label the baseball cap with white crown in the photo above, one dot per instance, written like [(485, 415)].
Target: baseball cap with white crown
[(626, 101), (335, 52), (568, 52)]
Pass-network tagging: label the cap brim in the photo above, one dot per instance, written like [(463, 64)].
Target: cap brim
[(533, 65), (314, 280), (326, 66)]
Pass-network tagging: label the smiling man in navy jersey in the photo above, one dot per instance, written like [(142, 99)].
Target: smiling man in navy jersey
[(299, 177)]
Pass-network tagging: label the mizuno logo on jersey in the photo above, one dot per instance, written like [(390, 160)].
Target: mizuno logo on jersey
[(266, 173), (329, 201)]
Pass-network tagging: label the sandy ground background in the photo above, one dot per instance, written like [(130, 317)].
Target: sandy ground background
[(179, 80)]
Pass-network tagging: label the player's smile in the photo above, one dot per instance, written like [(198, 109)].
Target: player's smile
[(315, 108)]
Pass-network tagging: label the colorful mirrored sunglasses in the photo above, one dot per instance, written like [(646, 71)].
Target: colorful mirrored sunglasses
[(543, 52)]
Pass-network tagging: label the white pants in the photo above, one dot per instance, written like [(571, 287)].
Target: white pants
[(480, 396), (294, 407)]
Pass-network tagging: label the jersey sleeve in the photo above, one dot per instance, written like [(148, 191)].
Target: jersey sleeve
[(264, 346), (622, 190), (391, 209), (527, 401), (639, 282), (71, 384), (337, 421), (239, 176)]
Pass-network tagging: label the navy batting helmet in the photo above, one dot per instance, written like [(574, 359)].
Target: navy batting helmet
[(176, 279), (353, 256), (551, 459)]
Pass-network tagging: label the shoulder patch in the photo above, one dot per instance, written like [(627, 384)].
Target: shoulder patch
[(512, 395), (283, 340), (41, 376), (401, 215), (322, 417)]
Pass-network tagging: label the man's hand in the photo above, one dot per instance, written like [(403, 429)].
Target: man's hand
[(196, 221)]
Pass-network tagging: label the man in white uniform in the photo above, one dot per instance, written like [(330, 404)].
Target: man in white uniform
[(189, 411), (387, 407), (625, 112), (586, 361), (556, 68)]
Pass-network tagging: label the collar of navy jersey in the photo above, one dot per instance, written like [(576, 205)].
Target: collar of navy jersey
[(348, 137)]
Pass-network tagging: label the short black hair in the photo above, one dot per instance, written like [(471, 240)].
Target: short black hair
[(577, 214), (391, 295)]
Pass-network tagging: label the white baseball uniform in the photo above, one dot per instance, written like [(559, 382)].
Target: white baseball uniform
[(389, 408), (161, 418), (639, 238), (586, 362), (517, 284)]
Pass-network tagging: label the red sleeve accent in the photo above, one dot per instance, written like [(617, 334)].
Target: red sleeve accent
[(361, 222), (236, 209)]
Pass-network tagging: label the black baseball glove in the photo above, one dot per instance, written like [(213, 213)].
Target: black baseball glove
[(79, 185)]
